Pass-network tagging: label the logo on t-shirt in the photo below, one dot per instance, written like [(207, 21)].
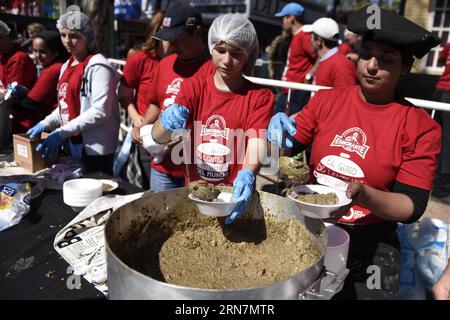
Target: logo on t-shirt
[(215, 127), (352, 140), (337, 171), (175, 86), (173, 89), (213, 161), (213, 157)]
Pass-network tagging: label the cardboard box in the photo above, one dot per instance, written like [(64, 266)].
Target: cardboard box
[(27, 157)]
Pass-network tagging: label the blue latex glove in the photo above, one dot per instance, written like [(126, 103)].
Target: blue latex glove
[(175, 117), (278, 124), (36, 131), (244, 185), (51, 145)]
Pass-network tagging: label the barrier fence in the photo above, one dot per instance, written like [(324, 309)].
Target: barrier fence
[(426, 104)]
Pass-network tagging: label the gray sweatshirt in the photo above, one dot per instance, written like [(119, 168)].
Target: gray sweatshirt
[(99, 118)]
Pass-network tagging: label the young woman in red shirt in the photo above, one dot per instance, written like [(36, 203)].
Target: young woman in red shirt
[(87, 116), (226, 114), (379, 144)]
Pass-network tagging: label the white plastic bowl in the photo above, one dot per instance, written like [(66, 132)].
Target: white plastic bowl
[(220, 207), (78, 193), (318, 211)]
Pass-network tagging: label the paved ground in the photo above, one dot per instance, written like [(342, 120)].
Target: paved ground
[(435, 209), (438, 210)]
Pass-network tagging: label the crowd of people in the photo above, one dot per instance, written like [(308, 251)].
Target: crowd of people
[(362, 131)]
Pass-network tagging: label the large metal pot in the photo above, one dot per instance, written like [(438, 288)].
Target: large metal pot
[(127, 283)]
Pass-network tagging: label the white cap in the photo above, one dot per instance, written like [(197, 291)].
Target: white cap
[(326, 28)]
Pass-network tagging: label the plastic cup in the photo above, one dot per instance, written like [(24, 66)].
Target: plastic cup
[(337, 249)]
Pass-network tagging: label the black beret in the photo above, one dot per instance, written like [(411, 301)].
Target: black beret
[(394, 30)]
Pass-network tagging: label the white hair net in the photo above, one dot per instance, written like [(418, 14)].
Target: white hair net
[(78, 21), (4, 29), (238, 31)]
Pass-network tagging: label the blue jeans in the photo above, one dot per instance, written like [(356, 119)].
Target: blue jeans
[(162, 182), (145, 162), (76, 150)]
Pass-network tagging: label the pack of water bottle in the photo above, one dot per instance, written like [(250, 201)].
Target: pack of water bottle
[(424, 256)]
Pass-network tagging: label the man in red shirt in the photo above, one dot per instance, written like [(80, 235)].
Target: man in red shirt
[(15, 66), (182, 25), (301, 57), (441, 187), (334, 69)]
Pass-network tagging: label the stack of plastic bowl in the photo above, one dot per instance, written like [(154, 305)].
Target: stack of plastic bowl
[(78, 193)]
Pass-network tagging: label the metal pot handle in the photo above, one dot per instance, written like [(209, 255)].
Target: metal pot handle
[(325, 287)]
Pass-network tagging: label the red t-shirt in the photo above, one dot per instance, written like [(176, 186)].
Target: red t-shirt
[(138, 74), (171, 73), (45, 89), (222, 123), (444, 80), (374, 144), (345, 49), (17, 66), (69, 88), (336, 71), (301, 58), (44, 92)]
